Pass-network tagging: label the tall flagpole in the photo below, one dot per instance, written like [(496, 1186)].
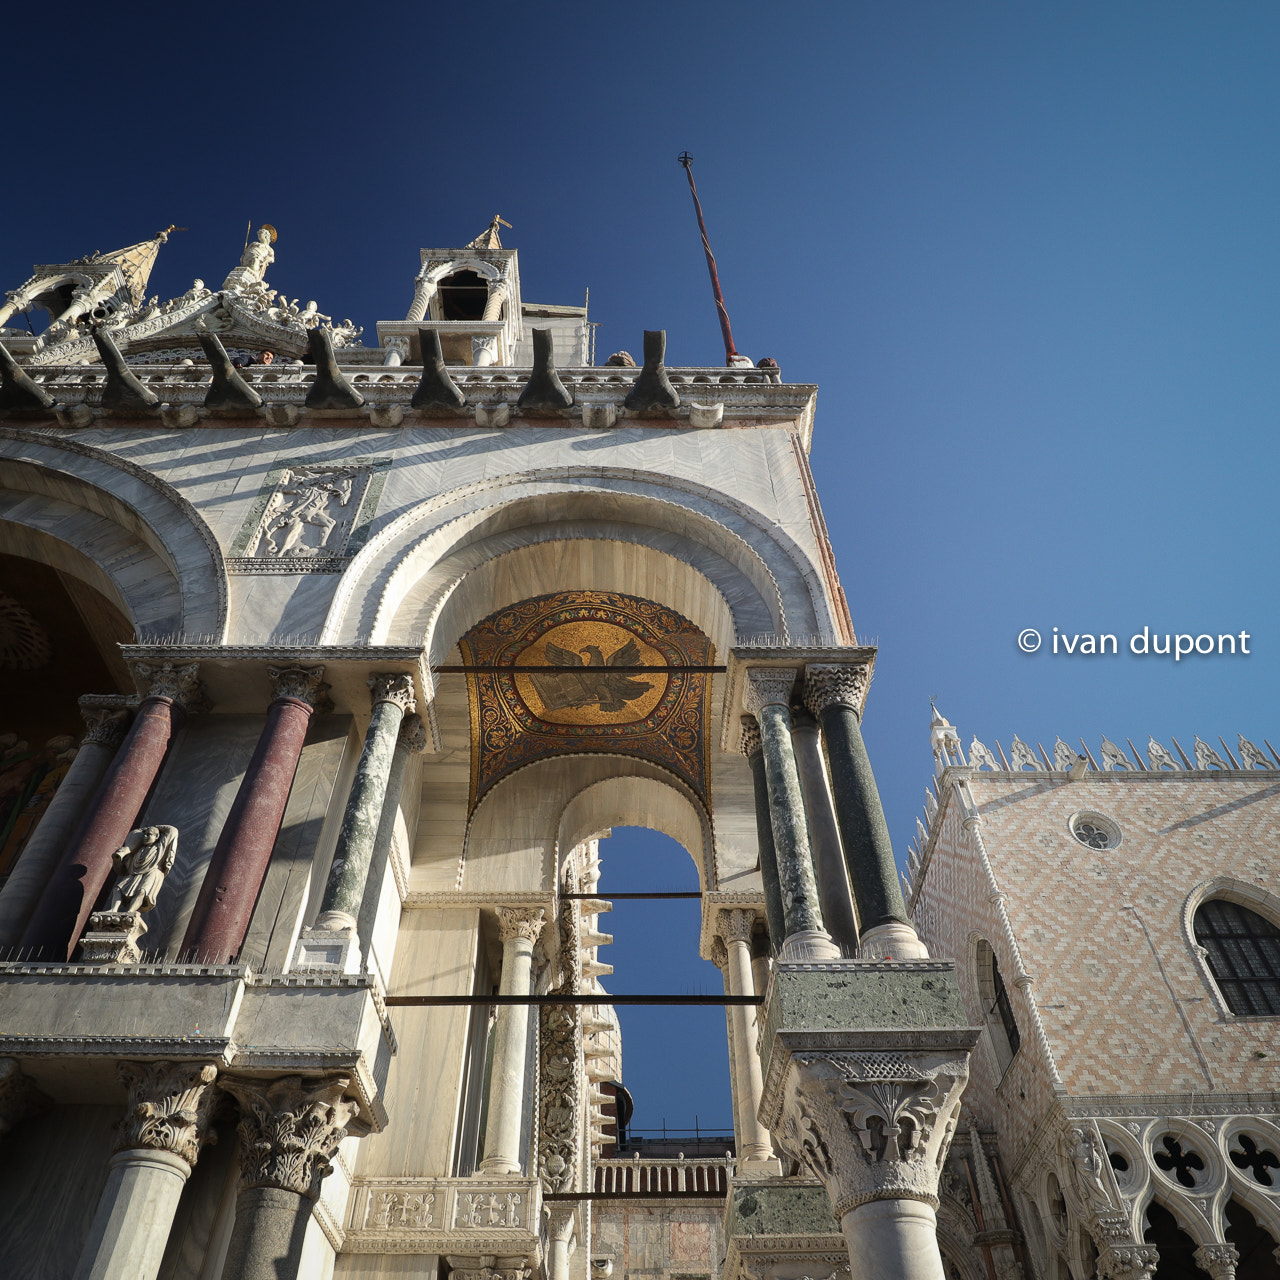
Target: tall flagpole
[(730, 351)]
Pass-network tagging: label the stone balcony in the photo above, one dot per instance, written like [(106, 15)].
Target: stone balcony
[(64, 1022)]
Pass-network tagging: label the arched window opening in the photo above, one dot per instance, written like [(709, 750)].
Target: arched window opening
[(463, 296), (1176, 1248), (997, 1009), (1243, 950), (1256, 1247), (674, 1061)]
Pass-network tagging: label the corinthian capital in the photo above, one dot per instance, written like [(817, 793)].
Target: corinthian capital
[(413, 734), (768, 687), (176, 682), (168, 1108), (305, 684), (736, 923), (520, 922), (105, 719), (289, 1129), (1219, 1260), (394, 687), (750, 736), (1128, 1261), (872, 1126), (836, 686)]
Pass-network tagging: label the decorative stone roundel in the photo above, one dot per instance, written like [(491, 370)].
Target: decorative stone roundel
[(1094, 830), (24, 644)]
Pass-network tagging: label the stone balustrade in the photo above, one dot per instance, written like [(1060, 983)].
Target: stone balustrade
[(679, 1177)]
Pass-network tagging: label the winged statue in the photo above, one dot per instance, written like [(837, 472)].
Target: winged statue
[(588, 678)]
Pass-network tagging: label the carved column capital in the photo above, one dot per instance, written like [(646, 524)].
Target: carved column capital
[(736, 924), (19, 1097), (394, 687), (105, 723), (872, 1125), (1219, 1260), (1128, 1261), (719, 953), (176, 682), (305, 684), (768, 687), (413, 734), (520, 922), (168, 1107), (750, 736), (289, 1129), (828, 685)]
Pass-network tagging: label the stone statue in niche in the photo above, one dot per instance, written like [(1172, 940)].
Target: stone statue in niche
[(302, 503), (141, 864)]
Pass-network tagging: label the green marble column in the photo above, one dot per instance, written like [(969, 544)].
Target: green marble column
[(834, 694), (753, 750), (769, 696), (392, 700)]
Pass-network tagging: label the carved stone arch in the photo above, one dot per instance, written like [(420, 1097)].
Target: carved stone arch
[(119, 528), (955, 1241), (1260, 1201), (1189, 1220), (662, 805), (514, 835), (1252, 896), (369, 597), (464, 262)]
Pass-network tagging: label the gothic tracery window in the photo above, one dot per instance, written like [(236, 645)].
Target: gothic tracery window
[(1243, 951)]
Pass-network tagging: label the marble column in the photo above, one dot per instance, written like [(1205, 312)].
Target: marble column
[(165, 1124), (424, 290), (289, 1132), (518, 928), (561, 1231), (69, 897), (734, 926), (392, 700), (834, 891), (768, 692), (397, 349), (106, 718), (835, 695), (410, 741), (752, 749), (230, 888)]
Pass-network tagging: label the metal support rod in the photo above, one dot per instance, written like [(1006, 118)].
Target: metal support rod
[(730, 351), (700, 1194), (619, 897), (599, 997)]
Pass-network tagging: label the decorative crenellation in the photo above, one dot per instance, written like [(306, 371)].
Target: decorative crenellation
[(1112, 758), (290, 1129), (176, 682), (768, 687), (394, 687), (168, 1107), (827, 685), (304, 684), (520, 922), (871, 1125)]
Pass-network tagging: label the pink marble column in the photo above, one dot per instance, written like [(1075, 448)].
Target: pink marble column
[(230, 888), (64, 907)]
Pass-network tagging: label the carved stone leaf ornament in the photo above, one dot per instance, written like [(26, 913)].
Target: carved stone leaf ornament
[(168, 1108)]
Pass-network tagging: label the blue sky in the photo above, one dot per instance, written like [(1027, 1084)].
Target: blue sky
[(1028, 251)]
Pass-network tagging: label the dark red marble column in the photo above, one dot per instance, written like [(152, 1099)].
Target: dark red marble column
[(69, 897), (230, 888)]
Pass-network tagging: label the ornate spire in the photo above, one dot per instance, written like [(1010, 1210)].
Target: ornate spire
[(488, 238)]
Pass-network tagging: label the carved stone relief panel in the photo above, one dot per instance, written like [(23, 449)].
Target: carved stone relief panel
[(309, 516)]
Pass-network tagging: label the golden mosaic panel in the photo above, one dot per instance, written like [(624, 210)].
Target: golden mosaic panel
[(597, 679)]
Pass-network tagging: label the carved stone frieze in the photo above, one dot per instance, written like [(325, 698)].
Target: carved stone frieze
[(562, 1070), (290, 1129), (520, 922), (827, 685), (306, 684), (394, 687), (873, 1126), (168, 1107)]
